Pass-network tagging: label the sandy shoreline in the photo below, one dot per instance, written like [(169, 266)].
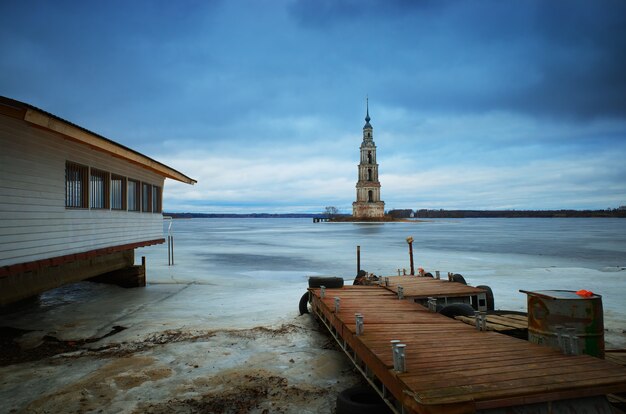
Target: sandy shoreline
[(246, 363)]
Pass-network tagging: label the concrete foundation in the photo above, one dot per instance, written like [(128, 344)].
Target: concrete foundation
[(129, 277), (363, 209), (15, 287)]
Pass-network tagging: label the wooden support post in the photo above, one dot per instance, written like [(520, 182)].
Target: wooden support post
[(409, 240)]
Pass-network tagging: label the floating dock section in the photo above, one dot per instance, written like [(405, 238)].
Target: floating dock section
[(450, 366)]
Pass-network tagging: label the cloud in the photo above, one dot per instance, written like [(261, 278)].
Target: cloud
[(263, 103)]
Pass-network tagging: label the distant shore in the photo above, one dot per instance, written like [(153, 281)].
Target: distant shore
[(399, 215)]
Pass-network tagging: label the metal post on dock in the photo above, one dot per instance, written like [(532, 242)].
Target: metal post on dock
[(359, 324), (437, 275), (574, 344), (409, 240), (401, 349), (394, 343), (480, 320), (337, 304), (432, 304), (322, 291), (400, 292), (573, 340), (559, 337)]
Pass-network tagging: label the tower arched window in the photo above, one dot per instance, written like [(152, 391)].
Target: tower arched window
[(369, 157), (369, 174), (370, 196)]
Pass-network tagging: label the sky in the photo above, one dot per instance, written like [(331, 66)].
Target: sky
[(475, 105)]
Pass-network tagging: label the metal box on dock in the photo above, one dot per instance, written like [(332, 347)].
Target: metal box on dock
[(548, 310)]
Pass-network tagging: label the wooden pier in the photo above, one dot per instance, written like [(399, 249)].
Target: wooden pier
[(419, 289), (450, 366)]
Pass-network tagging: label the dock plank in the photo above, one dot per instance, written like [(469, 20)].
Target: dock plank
[(451, 366)]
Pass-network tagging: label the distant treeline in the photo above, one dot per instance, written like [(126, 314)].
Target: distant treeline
[(251, 215), (424, 213)]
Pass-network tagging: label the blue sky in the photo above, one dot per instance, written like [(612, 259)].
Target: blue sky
[(475, 105)]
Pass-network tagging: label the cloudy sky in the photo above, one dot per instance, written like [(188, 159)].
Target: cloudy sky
[(481, 104)]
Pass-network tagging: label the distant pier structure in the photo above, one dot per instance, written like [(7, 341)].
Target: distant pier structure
[(368, 203)]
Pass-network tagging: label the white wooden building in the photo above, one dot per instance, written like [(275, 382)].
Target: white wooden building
[(73, 204)]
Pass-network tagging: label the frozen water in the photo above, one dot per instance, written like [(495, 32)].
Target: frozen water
[(506, 254), (238, 274)]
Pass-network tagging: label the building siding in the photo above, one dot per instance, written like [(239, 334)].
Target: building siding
[(34, 223)]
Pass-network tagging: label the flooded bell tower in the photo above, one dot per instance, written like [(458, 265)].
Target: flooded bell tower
[(368, 203)]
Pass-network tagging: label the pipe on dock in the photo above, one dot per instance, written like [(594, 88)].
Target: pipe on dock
[(358, 259), (394, 343), (359, 324), (400, 350)]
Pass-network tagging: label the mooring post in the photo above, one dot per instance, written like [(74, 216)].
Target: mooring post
[(573, 340), (322, 292), (401, 349), (409, 240), (358, 259), (394, 343), (172, 250), (337, 304), (359, 324)]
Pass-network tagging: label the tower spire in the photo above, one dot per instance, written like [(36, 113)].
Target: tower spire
[(367, 113)]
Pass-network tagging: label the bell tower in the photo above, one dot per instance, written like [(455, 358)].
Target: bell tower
[(368, 203)]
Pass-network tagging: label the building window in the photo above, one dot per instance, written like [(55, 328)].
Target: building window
[(76, 194), (118, 192), (146, 197), (369, 157), (134, 195), (370, 196), (99, 189), (369, 174), (156, 199)]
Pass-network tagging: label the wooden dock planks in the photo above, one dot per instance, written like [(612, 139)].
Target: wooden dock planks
[(452, 367), (423, 287)]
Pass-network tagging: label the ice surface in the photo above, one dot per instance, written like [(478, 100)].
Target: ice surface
[(193, 333)]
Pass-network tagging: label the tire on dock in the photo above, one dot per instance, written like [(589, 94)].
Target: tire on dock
[(490, 300), (304, 304), (328, 282), (428, 274), (360, 400), (458, 278), (457, 309)]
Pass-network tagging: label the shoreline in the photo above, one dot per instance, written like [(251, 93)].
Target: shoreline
[(238, 362)]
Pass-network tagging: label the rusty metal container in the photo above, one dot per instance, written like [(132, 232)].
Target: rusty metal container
[(551, 311)]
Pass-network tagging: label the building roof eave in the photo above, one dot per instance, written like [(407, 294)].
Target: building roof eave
[(47, 121)]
